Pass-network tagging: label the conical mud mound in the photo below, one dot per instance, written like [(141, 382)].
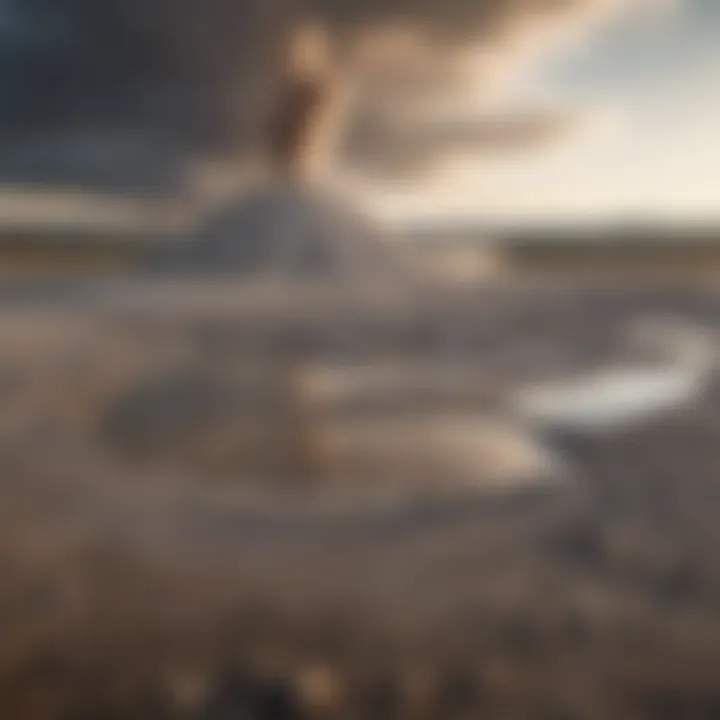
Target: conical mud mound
[(287, 230)]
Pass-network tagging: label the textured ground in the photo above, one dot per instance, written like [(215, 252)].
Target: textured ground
[(128, 594)]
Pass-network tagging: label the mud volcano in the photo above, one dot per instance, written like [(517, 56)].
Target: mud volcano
[(290, 230)]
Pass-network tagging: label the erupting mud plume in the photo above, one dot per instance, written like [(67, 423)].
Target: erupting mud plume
[(308, 115)]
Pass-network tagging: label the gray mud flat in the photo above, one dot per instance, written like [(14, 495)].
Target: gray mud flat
[(132, 589)]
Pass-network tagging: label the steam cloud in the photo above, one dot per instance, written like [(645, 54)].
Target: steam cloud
[(88, 83)]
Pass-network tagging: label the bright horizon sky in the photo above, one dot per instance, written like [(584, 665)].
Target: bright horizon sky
[(649, 147)]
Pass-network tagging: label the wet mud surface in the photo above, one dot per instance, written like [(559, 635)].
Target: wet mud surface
[(138, 595)]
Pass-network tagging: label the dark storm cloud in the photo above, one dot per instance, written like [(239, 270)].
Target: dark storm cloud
[(162, 80)]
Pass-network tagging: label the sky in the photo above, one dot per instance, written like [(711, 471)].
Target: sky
[(617, 122), (646, 147)]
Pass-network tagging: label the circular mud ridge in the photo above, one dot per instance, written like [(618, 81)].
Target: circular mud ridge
[(242, 436), (116, 398)]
